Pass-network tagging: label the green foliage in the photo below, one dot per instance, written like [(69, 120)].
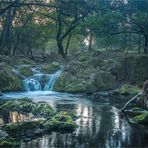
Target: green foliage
[(17, 130), (9, 143), (129, 90), (141, 119)]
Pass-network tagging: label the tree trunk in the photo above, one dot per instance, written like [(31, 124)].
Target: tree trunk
[(130, 101), (146, 43), (61, 48), (5, 35), (90, 41), (139, 44), (68, 42)]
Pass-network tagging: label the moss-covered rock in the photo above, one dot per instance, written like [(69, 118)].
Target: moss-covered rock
[(42, 109), (49, 69), (104, 80), (30, 129), (22, 129), (26, 71), (141, 119), (61, 121), (9, 81), (25, 105), (9, 143), (133, 69), (85, 81)]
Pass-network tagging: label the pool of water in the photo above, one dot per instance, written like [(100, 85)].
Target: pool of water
[(99, 124)]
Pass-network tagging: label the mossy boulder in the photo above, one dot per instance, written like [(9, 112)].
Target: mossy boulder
[(85, 81), (9, 143), (49, 69), (26, 105), (133, 69), (72, 84), (61, 121), (22, 129), (9, 81), (43, 110), (26, 71), (142, 118), (104, 81)]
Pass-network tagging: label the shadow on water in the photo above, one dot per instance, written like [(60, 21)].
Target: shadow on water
[(99, 125)]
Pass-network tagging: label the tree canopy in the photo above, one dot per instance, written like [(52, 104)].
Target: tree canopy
[(29, 27)]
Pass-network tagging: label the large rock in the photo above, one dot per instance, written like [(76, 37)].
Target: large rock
[(51, 68), (133, 69), (84, 81), (9, 80), (26, 71)]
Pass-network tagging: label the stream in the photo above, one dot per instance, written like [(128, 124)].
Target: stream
[(99, 124)]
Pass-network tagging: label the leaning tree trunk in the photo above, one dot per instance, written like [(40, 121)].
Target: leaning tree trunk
[(130, 101)]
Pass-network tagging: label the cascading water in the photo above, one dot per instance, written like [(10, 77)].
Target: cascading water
[(41, 82)]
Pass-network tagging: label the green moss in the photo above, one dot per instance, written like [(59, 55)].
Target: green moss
[(128, 90), (42, 109), (18, 130), (61, 121), (9, 81), (87, 81), (54, 66), (9, 143), (26, 71), (133, 69), (104, 81), (141, 119), (25, 105), (20, 105)]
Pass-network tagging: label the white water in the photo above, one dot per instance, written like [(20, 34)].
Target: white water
[(41, 82)]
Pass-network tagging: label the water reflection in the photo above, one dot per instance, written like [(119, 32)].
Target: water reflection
[(14, 117), (100, 125)]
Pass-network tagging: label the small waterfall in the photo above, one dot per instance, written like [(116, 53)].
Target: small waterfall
[(41, 82)]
